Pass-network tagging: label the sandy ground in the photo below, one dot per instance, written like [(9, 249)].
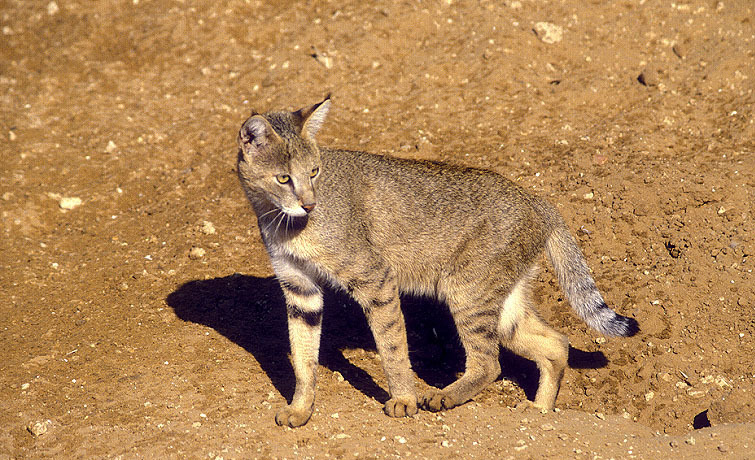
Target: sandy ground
[(118, 122)]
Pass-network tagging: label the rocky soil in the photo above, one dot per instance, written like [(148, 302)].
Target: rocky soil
[(138, 313)]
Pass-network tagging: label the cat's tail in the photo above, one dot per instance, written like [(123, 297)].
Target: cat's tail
[(578, 285)]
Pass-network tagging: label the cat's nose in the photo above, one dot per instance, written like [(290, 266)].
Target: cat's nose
[(308, 207)]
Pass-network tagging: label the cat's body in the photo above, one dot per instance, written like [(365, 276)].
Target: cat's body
[(376, 226)]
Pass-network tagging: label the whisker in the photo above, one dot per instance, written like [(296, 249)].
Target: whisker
[(272, 221), (270, 211)]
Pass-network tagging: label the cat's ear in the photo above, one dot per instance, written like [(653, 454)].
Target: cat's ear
[(257, 135), (313, 117)]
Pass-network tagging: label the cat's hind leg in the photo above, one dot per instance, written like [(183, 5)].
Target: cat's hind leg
[(476, 322), (523, 332)]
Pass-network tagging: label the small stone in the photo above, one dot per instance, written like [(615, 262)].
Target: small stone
[(342, 436), (547, 427), (589, 195), (52, 8), (11, 135), (649, 395), (401, 439), (322, 58), (600, 415), (25, 386), (111, 147), (549, 33), (649, 76), (680, 49), (70, 202), (599, 159), (38, 428), (690, 441), (445, 443), (208, 228), (723, 448), (196, 253)]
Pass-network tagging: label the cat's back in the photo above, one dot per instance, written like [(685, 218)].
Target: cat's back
[(431, 188)]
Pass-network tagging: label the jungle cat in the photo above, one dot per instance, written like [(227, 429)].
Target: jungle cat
[(376, 227)]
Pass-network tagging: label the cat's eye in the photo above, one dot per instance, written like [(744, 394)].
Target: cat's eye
[(314, 172), (283, 178)]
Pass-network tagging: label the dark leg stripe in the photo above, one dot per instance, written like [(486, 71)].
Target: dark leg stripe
[(353, 284), (312, 318), (389, 325), (298, 290), (483, 313), (383, 303)]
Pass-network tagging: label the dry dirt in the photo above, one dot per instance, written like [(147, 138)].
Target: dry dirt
[(637, 121)]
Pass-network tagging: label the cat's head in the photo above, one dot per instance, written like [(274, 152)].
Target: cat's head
[(279, 160)]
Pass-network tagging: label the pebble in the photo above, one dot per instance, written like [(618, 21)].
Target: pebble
[(680, 50), (196, 253), (69, 202), (208, 228), (111, 147), (548, 32), (52, 8), (11, 135), (547, 427), (649, 76), (323, 59), (38, 428)]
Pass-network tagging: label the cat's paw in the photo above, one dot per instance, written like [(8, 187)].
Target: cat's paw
[(401, 406), (437, 400), (293, 416)]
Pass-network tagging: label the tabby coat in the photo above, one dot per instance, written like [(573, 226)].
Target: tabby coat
[(377, 226)]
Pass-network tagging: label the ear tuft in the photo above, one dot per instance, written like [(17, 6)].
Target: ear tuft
[(313, 117)]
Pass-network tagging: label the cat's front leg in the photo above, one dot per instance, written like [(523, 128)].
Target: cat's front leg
[(380, 300), (304, 309)]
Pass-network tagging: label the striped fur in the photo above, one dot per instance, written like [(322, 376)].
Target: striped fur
[(377, 226)]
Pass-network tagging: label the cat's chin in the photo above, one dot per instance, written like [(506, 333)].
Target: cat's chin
[(294, 213), (295, 222)]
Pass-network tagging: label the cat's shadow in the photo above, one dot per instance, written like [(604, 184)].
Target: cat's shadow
[(251, 312)]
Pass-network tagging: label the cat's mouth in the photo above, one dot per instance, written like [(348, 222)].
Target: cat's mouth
[(297, 212)]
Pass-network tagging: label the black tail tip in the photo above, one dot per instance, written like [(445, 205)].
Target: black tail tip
[(630, 325)]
